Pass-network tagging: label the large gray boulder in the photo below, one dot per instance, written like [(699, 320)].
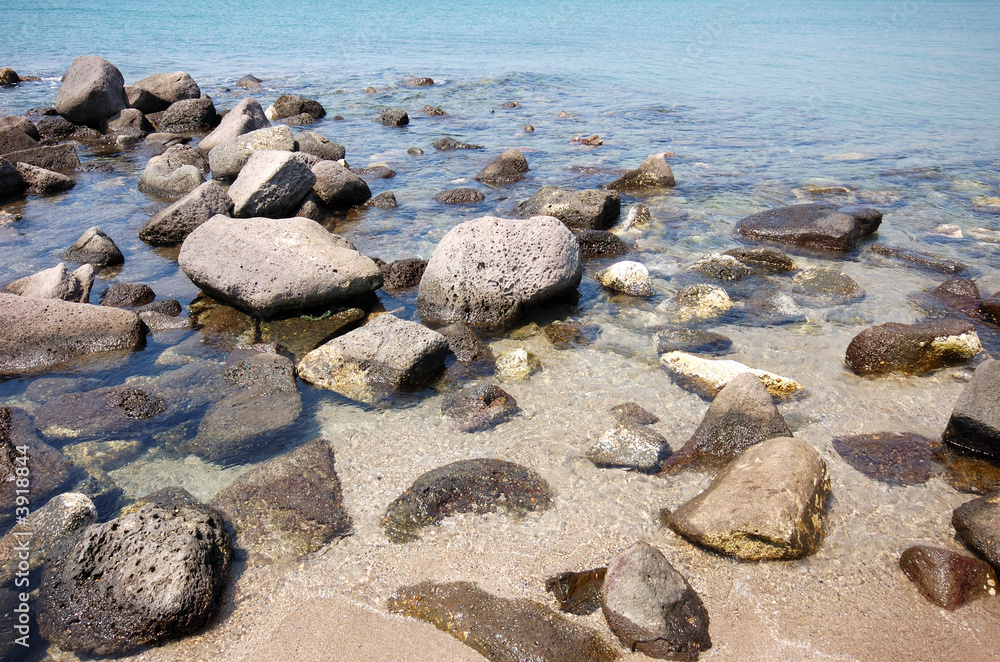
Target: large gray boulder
[(651, 607), (227, 158), (173, 174), (157, 92), (55, 283), (40, 180), (91, 91), (817, 225), (247, 116), (485, 272), (579, 210), (912, 348), (153, 572), (188, 116), (272, 183), (507, 168), (652, 173), (96, 248), (270, 266), (377, 359), (36, 334), (337, 187), (173, 224), (309, 142), (974, 425)]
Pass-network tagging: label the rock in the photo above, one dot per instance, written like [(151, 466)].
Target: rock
[(694, 341), (449, 144), (250, 82), (990, 308), (127, 295), (434, 111), (630, 444), (507, 168), (157, 92), (300, 335), (770, 307), (308, 142), (968, 474), (301, 119), (628, 277), (157, 321), (13, 139), (763, 259), (957, 294), (638, 217), (978, 525), (271, 184), (337, 187), (577, 592), (918, 258), (722, 267), (50, 157), (172, 225), (403, 274), (509, 105), (502, 630), (600, 243), (152, 573), (702, 302), (414, 151), (460, 196), (485, 272), (768, 503), (894, 458), (652, 173), (169, 307), (21, 123), (92, 90), (579, 210), (384, 200), (707, 377), (633, 414), (466, 345), (173, 174), (948, 579), (9, 77), (227, 159), (11, 182), (742, 415), (289, 506), (188, 116), (418, 82), (103, 455), (565, 335), (96, 248), (974, 426), (478, 407), (289, 105), (247, 116), (55, 283), (45, 527), (468, 486), (912, 348), (650, 606), (815, 225), (128, 125), (103, 413), (393, 118), (318, 274), (49, 472), (53, 128), (516, 365), (827, 286)]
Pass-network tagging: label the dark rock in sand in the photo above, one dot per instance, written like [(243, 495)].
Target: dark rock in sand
[(288, 507), (152, 573), (127, 295), (978, 524), (227, 159), (288, 105), (653, 173), (485, 272), (990, 308), (970, 474), (47, 526), (393, 118), (313, 143), (741, 416), (813, 226), (631, 445), (912, 348), (61, 158), (695, 341), (478, 407), (466, 345), (247, 116), (502, 630), (468, 486), (460, 196), (918, 258), (55, 283), (974, 425), (157, 92), (403, 274), (49, 470), (763, 259), (948, 579), (633, 414), (250, 82), (96, 248), (337, 187), (102, 413), (434, 111), (92, 90), (651, 607), (827, 286), (722, 267), (566, 335), (895, 458), (600, 243), (271, 184), (188, 116), (172, 225), (173, 174), (768, 503), (384, 200), (507, 168), (13, 139), (577, 592), (579, 210), (449, 144)]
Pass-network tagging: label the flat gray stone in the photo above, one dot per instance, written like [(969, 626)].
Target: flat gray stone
[(173, 224), (272, 184), (579, 210)]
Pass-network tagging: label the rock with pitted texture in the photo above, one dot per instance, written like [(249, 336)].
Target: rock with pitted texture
[(978, 525), (393, 118), (173, 174), (507, 168), (912, 348), (61, 158), (990, 307), (247, 116), (403, 274), (40, 180), (449, 144), (46, 526), (228, 157), (974, 426), (21, 123), (157, 92), (173, 224), (13, 139), (337, 187), (722, 267), (816, 225), (309, 142), (92, 90), (630, 444), (948, 579), (653, 173), (188, 116), (700, 301), (55, 283), (127, 295), (579, 210), (272, 184), (96, 248), (600, 243), (478, 407)]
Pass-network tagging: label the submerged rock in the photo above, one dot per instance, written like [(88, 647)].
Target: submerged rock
[(630, 444), (502, 630), (722, 267), (478, 407), (466, 345), (627, 277), (768, 503), (579, 210), (955, 294), (763, 259), (92, 90), (974, 425), (948, 579), (741, 416), (696, 341), (449, 144), (96, 248), (577, 592), (700, 301), (101, 413), (55, 283), (816, 225), (600, 243), (384, 200), (393, 118), (895, 458), (507, 168), (918, 258), (460, 196), (912, 348), (651, 607), (827, 286), (172, 225), (566, 335), (49, 471), (652, 173), (516, 365), (638, 217), (707, 377), (271, 184), (468, 486), (969, 474), (978, 524), (990, 308)]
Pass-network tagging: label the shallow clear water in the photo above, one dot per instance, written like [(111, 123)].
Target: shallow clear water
[(896, 101)]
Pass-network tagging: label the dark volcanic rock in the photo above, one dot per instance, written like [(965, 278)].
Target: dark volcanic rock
[(403, 274), (466, 345), (127, 295), (502, 630), (91, 91), (188, 116), (970, 474), (813, 226), (912, 348), (250, 82), (652, 173), (308, 142), (393, 118), (384, 200), (579, 210), (990, 308), (478, 407), (629, 444), (948, 579), (421, 81), (467, 486), (434, 111), (288, 105), (826, 287), (11, 182), (978, 524), (337, 187), (460, 196), (49, 471), (695, 341), (13, 139), (40, 180), (61, 158), (763, 259), (377, 171), (149, 574), (741, 415), (918, 258), (172, 225), (507, 168), (157, 92), (630, 412), (651, 607), (895, 458), (449, 144), (96, 248), (577, 592), (600, 243), (955, 294), (114, 411), (288, 507), (974, 425), (22, 123)]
